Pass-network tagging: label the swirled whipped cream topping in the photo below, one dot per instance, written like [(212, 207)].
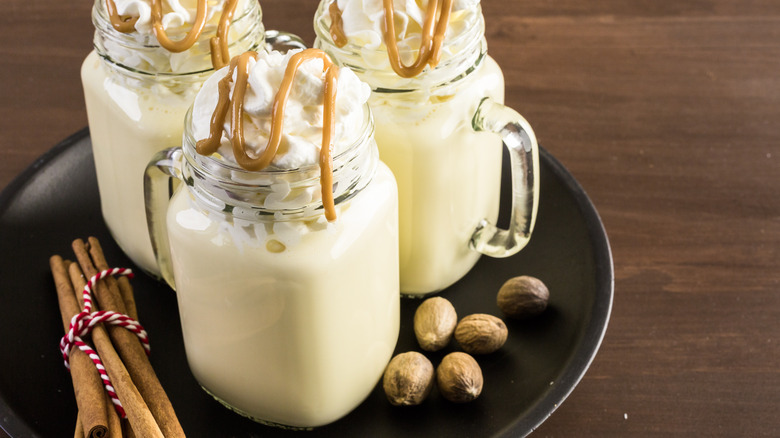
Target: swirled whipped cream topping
[(364, 21), (140, 50), (363, 25), (302, 129), (353, 33), (177, 15)]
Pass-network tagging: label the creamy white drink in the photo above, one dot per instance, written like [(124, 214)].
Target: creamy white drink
[(299, 333), (289, 314), (426, 104), (441, 205), (137, 93)]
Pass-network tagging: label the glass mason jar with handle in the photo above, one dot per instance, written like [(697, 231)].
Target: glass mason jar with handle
[(287, 318), (137, 92), (440, 132)]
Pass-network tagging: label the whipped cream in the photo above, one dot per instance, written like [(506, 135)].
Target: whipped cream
[(363, 27), (303, 122), (140, 49), (363, 23), (177, 15)]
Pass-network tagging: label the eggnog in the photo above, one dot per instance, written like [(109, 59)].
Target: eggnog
[(441, 205), (437, 98), (289, 323), (137, 92), (283, 242)]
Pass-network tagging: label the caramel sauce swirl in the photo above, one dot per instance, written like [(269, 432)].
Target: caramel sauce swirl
[(235, 106), (218, 43), (430, 45)]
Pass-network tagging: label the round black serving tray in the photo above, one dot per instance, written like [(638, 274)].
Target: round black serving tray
[(56, 201)]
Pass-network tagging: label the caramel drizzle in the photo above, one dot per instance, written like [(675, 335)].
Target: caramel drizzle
[(122, 23), (218, 43), (432, 36), (337, 25), (220, 56), (235, 106)]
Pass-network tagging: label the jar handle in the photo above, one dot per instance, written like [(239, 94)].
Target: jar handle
[(283, 41), (160, 178), (520, 141)]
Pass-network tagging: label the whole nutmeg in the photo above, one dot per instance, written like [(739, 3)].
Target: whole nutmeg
[(459, 378), (523, 297), (480, 333), (408, 379), (434, 322)]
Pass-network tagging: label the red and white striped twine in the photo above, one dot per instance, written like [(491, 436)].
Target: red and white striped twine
[(84, 322)]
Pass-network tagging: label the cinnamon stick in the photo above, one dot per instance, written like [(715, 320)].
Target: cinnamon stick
[(122, 283), (117, 427), (114, 422), (87, 385), (137, 412), (79, 432), (130, 349), (128, 431)]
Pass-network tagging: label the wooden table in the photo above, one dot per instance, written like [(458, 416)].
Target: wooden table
[(668, 113)]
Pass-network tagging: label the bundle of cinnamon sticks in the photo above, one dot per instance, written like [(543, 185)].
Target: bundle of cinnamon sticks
[(149, 411)]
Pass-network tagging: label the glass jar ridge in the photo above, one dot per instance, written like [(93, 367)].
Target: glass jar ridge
[(138, 55), (277, 194), (459, 54)]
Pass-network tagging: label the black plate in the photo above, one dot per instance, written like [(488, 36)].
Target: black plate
[(55, 201)]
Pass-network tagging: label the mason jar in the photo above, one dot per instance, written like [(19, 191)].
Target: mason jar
[(136, 94), (441, 133), (287, 318)]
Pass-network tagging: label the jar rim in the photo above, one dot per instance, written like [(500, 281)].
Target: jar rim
[(322, 28), (102, 22), (226, 187), (105, 30), (206, 161), (382, 79)]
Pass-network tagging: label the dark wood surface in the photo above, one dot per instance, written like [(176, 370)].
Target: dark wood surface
[(668, 114)]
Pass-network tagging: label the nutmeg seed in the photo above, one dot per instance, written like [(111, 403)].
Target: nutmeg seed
[(459, 378), (408, 379), (480, 333), (523, 297), (434, 322)]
